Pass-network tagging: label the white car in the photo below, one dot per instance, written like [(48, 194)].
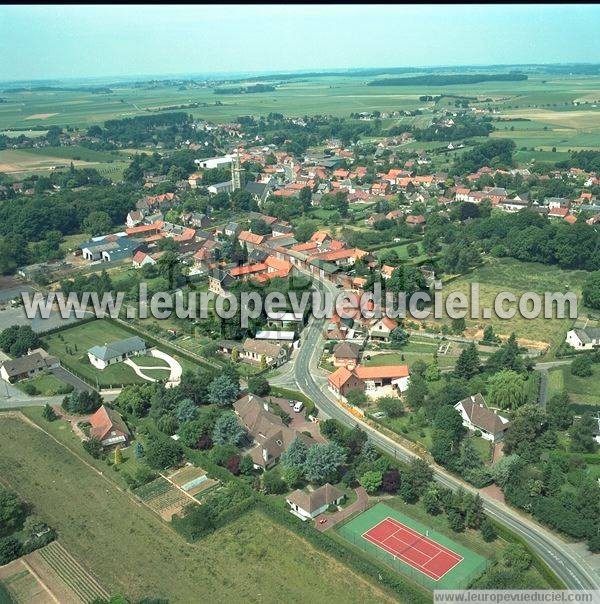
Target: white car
[(298, 407)]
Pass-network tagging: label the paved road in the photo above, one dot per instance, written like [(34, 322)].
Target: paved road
[(574, 571)]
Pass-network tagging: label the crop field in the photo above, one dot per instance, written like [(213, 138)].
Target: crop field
[(162, 497), (193, 481), (546, 101), (134, 553)]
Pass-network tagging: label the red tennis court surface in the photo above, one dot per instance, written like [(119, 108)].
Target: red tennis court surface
[(414, 549)]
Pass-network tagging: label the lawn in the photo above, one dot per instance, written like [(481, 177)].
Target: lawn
[(71, 345), (507, 275), (134, 553), (582, 390), (458, 577), (45, 384)]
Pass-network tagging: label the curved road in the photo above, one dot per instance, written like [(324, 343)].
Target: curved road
[(572, 569)]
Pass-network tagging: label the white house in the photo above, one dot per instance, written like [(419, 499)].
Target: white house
[(213, 162), (584, 339), (116, 352), (310, 505), (477, 416)]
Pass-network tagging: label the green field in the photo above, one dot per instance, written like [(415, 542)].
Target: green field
[(581, 390), (132, 552), (548, 101), (508, 275), (71, 345), (459, 577)]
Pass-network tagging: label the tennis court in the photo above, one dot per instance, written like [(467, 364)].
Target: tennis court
[(420, 552), (400, 542)]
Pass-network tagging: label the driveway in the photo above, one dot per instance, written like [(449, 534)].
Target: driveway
[(361, 503), (68, 378), (299, 422)]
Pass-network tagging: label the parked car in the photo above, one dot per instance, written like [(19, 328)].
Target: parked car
[(298, 406)]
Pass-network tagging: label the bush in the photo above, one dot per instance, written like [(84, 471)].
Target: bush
[(30, 389), (582, 366), (93, 446), (259, 385)]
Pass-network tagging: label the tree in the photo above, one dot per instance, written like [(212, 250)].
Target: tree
[(223, 391), (356, 397), (459, 325), (489, 335), (138, 450), (591, 290), (246, 465), (273, 484), (432, 373), (390, 481), (118, 456), (506, 357), (398, 337), (506, 390), (295, 456), (560, 414), (487, 530), (93, 446), (292, 476), (456, 520), (162, 452), (323, 462), (449, 421), (259, 385), (582, 434), (582, 366), (82, 403), (417, 392), (517, 557), (227, 430), (467, 364), (186, 411), (12, 511), (502, 470), (10, 549), (17, 340), (97, 223), (391, 406), (431, 502), (48, 413), (371, 481)]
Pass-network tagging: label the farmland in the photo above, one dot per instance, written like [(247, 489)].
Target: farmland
[(133, 552), (542, 110)]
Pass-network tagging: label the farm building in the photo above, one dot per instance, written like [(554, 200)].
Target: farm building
[(116, 352)]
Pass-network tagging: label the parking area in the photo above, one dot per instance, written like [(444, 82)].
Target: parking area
[(299, 421)]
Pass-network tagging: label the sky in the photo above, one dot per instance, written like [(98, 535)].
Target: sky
[(45, 42)]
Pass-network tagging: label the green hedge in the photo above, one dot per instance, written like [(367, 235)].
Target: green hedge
[(536, 561)]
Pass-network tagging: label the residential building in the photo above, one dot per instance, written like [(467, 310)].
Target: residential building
[(586, 338), (310, 504), (382, 329), (270, 435), (273, 353), (35, 362), (116, 352), (108, 427), (477, 417), (346, 354)]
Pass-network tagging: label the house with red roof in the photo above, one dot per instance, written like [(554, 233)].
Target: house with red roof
[(382, 329), (108, 427), (369, 380)]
